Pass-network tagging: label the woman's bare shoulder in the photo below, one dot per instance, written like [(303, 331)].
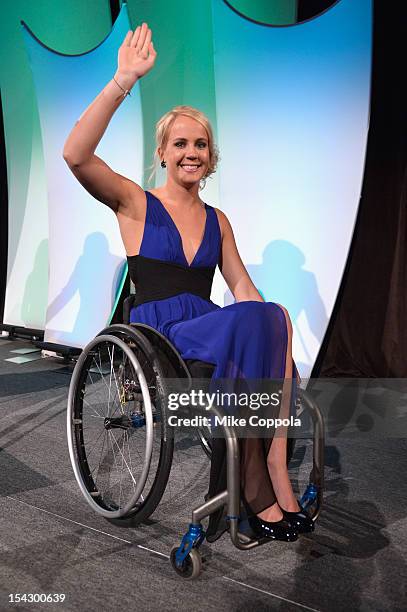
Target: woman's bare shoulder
[(224, 222)]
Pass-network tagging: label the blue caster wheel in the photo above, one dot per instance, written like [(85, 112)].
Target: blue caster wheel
[(191, 566)]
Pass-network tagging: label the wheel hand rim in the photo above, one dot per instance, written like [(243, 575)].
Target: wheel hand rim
[(139, 485)]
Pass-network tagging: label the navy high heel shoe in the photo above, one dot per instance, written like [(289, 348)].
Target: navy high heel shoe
[(301, 520), (277, 530)]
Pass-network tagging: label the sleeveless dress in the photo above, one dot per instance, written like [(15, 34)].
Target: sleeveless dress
[(243, 340)]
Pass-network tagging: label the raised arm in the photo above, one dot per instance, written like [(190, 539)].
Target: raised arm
[(232, 267), (135, 58)]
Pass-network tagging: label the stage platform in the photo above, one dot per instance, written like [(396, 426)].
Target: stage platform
[(51, 542)]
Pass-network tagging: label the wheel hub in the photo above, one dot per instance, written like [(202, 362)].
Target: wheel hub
[(121, 422)]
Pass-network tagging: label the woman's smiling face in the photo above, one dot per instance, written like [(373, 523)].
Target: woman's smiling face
[(186, 153)]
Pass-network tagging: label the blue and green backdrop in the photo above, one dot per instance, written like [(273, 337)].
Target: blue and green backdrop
[(289, 103)]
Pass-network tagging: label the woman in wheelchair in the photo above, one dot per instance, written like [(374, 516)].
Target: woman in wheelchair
[(174, 241)]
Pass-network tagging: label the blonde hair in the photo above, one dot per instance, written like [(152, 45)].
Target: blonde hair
[(162, 131)]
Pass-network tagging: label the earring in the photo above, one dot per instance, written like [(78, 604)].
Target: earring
[(163, 164)]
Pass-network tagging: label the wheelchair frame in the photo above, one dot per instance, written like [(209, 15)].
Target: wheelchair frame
[(185, 558)]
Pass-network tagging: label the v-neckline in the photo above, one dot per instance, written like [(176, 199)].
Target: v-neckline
[(189, 265)]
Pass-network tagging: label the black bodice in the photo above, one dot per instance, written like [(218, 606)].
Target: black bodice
[(155, 279)]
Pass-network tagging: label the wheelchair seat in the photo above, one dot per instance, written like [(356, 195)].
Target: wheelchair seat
[(200, 369)]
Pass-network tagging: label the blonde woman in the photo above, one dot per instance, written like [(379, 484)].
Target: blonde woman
[(174, 241)]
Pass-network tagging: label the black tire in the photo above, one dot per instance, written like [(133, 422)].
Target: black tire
[(102, 433)]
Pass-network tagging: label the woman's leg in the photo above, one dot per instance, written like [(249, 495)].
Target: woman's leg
[(277, 456), (265, 477), (257, 338)]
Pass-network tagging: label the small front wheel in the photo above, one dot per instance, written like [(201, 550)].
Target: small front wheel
[(191, 566)]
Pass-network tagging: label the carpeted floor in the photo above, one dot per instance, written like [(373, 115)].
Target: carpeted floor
[(52, 542)]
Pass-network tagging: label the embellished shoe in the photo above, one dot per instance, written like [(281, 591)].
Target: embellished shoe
[(277, 530), (301, 521)]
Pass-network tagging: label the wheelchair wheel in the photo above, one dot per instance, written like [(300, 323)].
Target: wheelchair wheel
[(118, 438), (191, 566)]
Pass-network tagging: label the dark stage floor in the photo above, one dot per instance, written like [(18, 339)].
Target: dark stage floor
[(51, 542)]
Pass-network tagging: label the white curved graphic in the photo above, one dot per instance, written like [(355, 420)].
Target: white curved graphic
[(86, 254)]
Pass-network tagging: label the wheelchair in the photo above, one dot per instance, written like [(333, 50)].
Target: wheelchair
[(121, 445)]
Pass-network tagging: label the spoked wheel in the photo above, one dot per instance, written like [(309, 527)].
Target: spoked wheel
[(119, 445), (191, 566)]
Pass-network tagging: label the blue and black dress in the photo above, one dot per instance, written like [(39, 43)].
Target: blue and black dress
[(243, 340)]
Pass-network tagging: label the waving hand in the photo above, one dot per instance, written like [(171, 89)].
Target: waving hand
[(137, 54)]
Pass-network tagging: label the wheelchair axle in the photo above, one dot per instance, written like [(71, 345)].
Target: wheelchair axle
[(136, 420), (121, 422)]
